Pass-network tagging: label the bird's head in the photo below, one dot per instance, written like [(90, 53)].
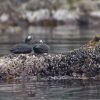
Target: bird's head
[(28, 39), (41, 41)]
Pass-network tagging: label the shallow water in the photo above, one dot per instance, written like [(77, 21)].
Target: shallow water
[(60, 39), (52, 90)]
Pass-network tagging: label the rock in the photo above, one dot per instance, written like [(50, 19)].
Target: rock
[(81, 63), (4, 17), (64, 15), (95, 14), (38, 15)]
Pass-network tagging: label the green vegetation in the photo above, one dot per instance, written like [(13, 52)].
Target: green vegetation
[(72, 3)]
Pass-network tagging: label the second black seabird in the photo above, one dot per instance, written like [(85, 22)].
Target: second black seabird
[(41, 48)]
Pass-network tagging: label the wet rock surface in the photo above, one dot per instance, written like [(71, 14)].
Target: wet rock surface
[(83, 63)]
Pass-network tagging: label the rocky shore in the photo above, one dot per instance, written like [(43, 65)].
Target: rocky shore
[(17, 15), (83, 63)]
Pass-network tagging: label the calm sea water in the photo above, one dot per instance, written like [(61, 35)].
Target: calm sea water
[(60, 39), (69, 89)]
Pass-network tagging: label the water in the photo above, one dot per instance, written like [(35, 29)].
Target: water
[(60, 39), (52, 90)]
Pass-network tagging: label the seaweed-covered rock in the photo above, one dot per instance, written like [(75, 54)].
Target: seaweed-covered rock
[(79, 63)]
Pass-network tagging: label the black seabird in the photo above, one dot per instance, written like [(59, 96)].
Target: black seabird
[(23, 48), (41, 48)]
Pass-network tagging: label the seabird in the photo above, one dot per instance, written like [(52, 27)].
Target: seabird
[(23, 48), (41, 48)]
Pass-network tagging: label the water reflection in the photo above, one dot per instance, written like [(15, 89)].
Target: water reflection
[(53, 90), (60, 39)]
